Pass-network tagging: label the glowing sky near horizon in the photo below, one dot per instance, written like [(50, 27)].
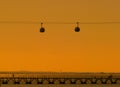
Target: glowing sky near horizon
[(95, 49)]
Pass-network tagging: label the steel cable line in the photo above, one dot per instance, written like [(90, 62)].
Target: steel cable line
[(37, 22), (42, 29)]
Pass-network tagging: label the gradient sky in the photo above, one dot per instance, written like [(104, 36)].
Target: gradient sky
[(95, 49)]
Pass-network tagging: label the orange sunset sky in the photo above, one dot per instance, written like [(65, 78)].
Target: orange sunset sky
[(95, 49)]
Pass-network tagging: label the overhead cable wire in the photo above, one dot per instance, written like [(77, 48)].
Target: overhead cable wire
[(37, 22)]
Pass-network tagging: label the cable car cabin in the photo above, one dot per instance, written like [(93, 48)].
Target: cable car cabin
[(77, 29), (42, 29)]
